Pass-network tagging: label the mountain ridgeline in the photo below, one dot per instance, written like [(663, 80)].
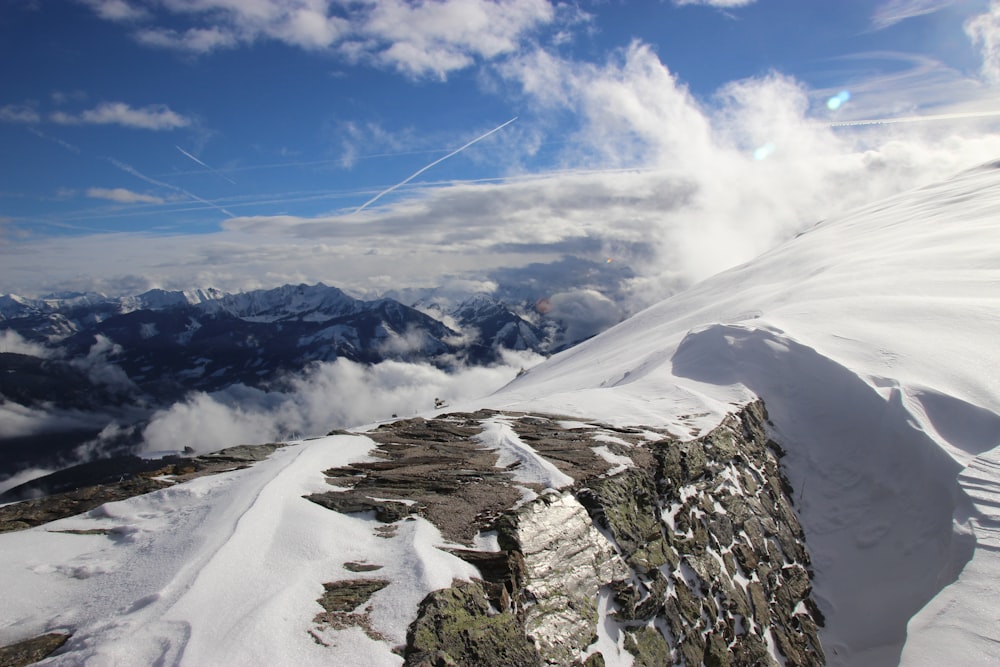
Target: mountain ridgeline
[(125, 357)]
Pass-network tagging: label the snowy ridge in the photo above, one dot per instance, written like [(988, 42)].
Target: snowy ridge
[(222, 570), (871, 339)]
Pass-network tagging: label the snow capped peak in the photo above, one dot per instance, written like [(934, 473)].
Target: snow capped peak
[(315, 303)]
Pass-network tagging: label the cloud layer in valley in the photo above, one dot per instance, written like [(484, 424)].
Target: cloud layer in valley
[(337, 394)]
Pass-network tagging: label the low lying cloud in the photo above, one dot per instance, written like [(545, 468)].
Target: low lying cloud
[(102, 370), (13, 343), (583, 313), (337, 394)]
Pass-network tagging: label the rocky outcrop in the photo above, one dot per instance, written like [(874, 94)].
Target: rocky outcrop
[(715, 548), (693, 546), (32, 650)]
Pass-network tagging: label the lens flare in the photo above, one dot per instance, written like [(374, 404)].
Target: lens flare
[(838, 100), (764, 152)]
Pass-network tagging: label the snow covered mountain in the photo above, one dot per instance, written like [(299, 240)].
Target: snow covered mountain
[(870, 339), (119, 359)]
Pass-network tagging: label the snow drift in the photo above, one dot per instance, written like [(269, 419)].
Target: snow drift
[(872, 340)]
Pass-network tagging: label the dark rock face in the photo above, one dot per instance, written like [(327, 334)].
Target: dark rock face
[(726, 566), (31, 650), (695, 545)]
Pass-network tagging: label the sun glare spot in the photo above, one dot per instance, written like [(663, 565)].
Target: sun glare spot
[(838, 100), (764, 152)]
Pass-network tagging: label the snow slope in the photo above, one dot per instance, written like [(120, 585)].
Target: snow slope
[(872, 339)]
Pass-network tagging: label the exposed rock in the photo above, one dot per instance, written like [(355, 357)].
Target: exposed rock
[(566, 562), (361, 567), (343, 596), (117, 479), (30, 651), (341, 601), (648, 647), (30, 513), (455, 626)]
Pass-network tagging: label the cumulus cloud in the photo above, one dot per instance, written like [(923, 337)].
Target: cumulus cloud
[(152, 117), (438, 37), (331, 395), (417, 39), (984, 31), (123, 196)]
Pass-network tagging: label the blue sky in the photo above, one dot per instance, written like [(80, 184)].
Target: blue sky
[(196, 143)]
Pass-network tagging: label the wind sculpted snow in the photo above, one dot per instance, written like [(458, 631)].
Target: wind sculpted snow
[(222, 570), (872, 340)]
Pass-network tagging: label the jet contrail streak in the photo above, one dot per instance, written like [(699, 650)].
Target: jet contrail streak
[(214, 171), (435, 162), (915, 119), (129, 169)]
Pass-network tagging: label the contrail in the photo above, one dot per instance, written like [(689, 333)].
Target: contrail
[(129, 169), (435, 162), (915, 119), (214, 171)]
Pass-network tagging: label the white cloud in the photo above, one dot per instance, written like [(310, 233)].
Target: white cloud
[(584, 313), (891, 12), (13, 343), (984, 31), (116, 10), (665, 183), (418, 39), (434, 38), (152, 117), (19, 113), (193, 40), (332, 395), (123, 196), (101, 370), (716, 3)]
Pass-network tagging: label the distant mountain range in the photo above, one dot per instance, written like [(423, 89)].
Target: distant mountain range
[(90, 353)]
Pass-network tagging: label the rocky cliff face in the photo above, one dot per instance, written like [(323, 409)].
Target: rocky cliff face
[(677, 552)]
